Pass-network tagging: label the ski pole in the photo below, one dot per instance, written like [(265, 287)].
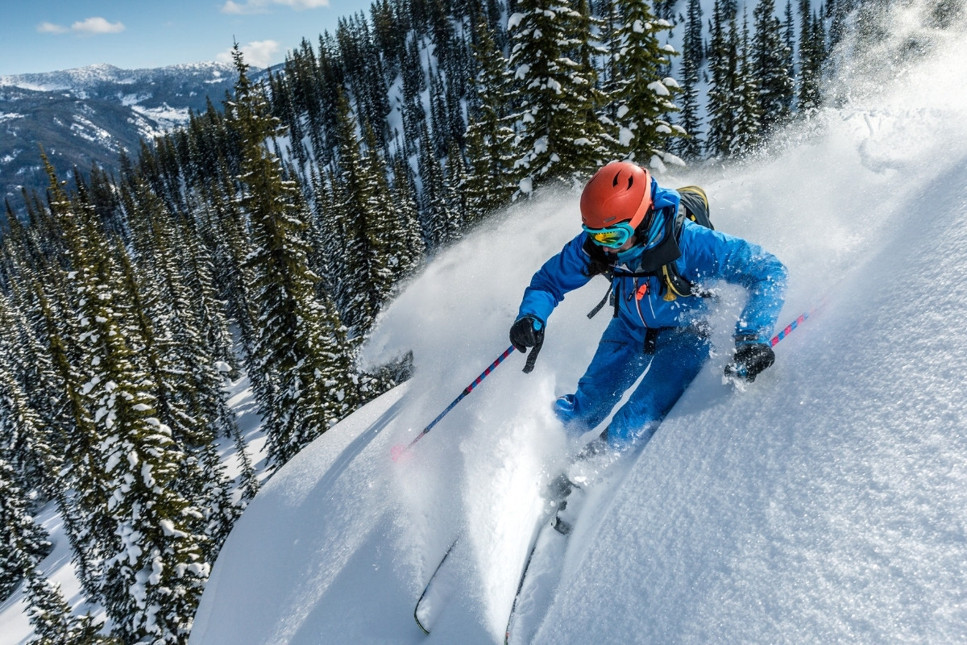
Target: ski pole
[(788, 329), (735, 370), (398, 450)]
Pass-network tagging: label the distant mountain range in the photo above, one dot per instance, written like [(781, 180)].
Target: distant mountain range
[(88, 115)]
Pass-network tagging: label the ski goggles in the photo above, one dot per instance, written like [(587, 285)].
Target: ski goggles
[(613, 237)]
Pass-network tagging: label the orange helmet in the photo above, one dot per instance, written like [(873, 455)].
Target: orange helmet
[(618, 192)]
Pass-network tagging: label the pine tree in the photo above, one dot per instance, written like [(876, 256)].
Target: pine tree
[(349, 247), (414, 84), (154, 578), (143, 562), (559, 134), (441, 222), (23, 540), (33, 447), (491, 180), (222, 219), (300, 341), (723, 58), (812, 54), (789, 42), (768, 66), (643, 94), (72, 328), (748, 124), (189, 394), (439, 126), (199, 275), (21, 550), (390, 232), (693, 46), (51, 616), (406, 209), (690, 145)]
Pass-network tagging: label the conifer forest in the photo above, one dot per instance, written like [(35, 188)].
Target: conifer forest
[(262, 240)]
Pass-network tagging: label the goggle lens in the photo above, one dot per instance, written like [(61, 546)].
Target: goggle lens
[(613, 237)]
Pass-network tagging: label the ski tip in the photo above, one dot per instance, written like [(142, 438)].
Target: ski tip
[(425, 630), (398, 452)]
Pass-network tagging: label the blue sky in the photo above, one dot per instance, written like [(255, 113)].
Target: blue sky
[(47, 35)]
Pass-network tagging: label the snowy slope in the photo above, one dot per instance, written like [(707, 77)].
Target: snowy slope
[(824, 503)]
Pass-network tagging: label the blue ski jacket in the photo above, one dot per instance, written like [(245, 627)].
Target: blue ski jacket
[(706, 256)]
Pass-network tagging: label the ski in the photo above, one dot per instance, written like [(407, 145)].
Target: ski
[(439, 587), (542, 566), (437, 592)]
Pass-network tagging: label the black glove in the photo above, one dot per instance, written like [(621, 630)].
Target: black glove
[(749, 360), (528, 331)]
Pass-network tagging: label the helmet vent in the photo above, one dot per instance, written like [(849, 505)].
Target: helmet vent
[(631, 180)]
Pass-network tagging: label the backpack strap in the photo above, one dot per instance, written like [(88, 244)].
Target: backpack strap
[(598, 307), (694, 207)]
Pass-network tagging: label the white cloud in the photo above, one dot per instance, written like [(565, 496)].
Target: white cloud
[(259, 53), (51, 28), (303, 4), (234, 8), (263, 6), (89, 27), (97, 25)]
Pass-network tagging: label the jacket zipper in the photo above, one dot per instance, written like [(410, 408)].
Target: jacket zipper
[(638, 302)]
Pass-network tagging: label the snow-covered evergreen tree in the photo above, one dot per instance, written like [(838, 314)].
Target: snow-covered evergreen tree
[(142, 560), (768, 66), (23, 546), (643, 95), (190, 397), (350, 255), (23, 540), (154, 579), (559, 132), (490, 179), (441, 222), (25, 440), (723, 60), (51, 616), (73, 337), (693, 54), (812, 56), (748, 124), (392, 232), (404, 203), (300, 342)]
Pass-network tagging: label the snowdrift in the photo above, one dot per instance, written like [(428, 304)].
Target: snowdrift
[(824, 503)]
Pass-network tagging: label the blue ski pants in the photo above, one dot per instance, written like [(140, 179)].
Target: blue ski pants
[(621, 358)]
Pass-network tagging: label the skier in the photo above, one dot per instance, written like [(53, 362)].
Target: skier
[(658, 263)]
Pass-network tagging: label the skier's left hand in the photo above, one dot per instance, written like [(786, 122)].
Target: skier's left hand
[(749, 360)]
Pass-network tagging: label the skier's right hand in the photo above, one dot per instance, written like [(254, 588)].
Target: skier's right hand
[(528, 331), (750, 360)]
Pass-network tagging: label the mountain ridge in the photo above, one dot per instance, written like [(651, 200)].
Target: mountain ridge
[(88, 115)]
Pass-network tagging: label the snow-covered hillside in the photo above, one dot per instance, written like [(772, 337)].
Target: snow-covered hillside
[(100, 79), (823, 504), (88, 115)]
